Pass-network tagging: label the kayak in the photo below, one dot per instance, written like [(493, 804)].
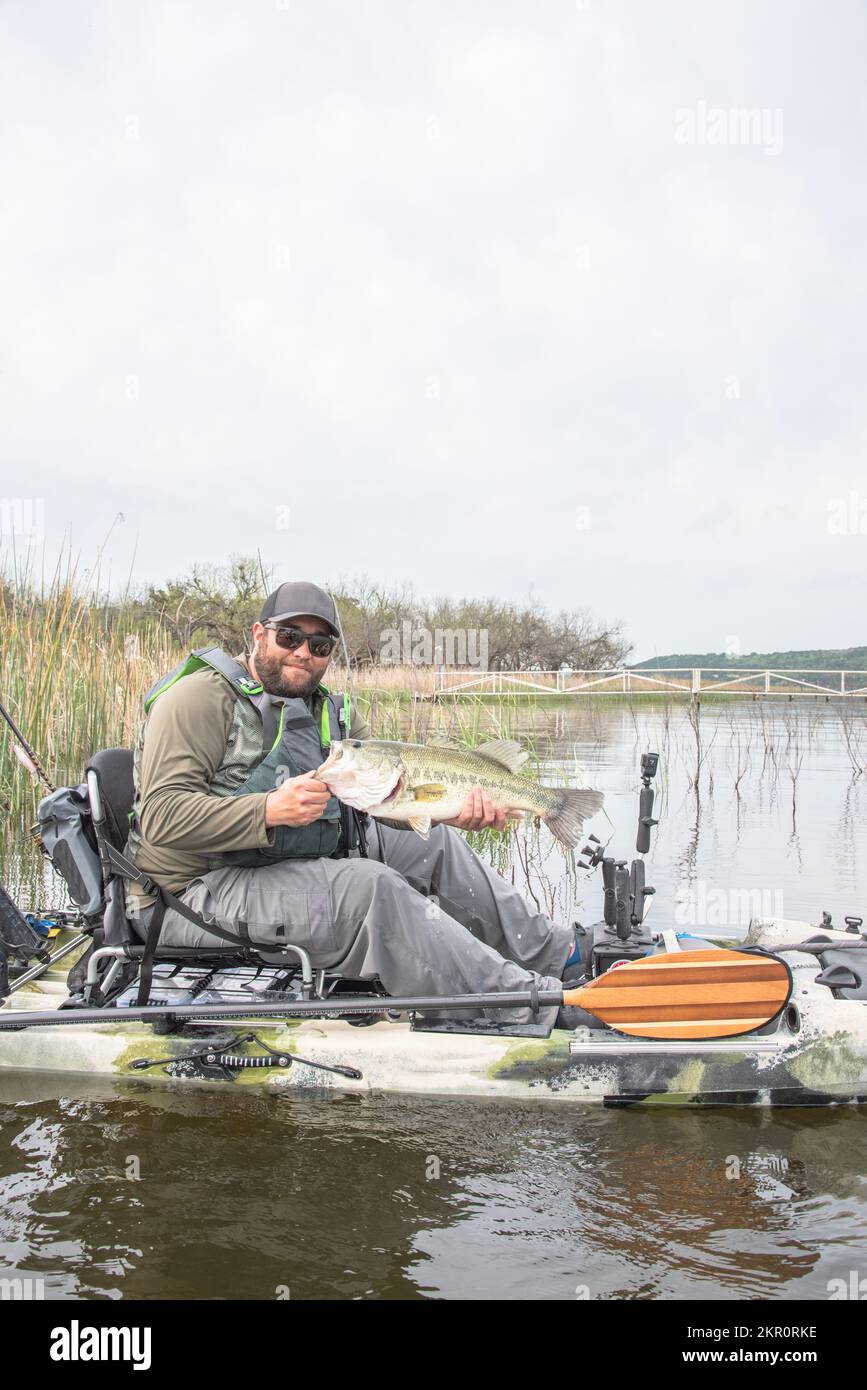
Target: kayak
[(814, 1054)]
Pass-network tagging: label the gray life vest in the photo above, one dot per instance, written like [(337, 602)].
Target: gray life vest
[(269, 741)]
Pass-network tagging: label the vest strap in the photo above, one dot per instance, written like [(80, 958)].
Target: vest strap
[(236, 674)]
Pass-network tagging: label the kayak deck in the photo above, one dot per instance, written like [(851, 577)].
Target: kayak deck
[(815, 1055)]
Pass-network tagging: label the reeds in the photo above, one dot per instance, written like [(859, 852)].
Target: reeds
[(72, 675)]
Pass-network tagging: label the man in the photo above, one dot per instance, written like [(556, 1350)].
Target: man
[(254, 844)]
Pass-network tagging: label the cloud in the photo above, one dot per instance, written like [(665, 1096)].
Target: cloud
[(433, 281)]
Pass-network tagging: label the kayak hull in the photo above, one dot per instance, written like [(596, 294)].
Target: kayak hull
[(816, 1054)]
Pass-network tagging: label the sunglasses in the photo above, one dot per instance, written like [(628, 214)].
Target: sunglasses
[(290, 638)]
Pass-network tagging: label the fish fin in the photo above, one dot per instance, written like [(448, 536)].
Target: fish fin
[(421, 825), (393, 824), (430, 791), (574, 805), (504, 751)]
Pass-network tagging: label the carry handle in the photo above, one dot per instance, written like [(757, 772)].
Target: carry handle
[(94, 796)]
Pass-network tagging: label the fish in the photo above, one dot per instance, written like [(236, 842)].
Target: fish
[(417, 784)]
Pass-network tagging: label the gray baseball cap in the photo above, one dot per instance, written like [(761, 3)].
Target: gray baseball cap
[(295, 600)]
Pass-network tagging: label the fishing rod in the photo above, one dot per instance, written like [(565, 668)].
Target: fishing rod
[(24, 752)]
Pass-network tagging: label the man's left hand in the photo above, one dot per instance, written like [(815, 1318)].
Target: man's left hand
[(480, 813)]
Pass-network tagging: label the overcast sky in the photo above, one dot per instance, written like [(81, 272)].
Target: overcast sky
[(483, 296)]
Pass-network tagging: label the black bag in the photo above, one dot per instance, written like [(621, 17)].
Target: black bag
[(68, 839), (18, 940)]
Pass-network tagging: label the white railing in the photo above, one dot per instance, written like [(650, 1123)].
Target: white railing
[(685, 680)]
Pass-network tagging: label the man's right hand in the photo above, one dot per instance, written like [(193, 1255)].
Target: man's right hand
[(297, 801)]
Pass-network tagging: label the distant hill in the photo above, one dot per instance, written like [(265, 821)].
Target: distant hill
[(847, 659)]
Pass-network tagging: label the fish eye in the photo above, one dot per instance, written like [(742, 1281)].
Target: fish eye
[(355, 743)]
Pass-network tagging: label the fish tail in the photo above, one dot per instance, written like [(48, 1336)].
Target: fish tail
[(574, 805)]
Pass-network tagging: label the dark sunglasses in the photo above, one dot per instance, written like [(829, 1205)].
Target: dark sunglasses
[(290, 638)]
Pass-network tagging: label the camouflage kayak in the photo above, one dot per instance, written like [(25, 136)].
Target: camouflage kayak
[(815, 1054)]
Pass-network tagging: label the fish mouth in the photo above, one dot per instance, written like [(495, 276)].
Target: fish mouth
[(335, 753), (349, 795)]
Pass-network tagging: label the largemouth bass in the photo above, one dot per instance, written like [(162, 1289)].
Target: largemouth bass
[(417, 784)]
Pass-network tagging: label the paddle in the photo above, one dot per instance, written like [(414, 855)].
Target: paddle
[(688, 994), (685, 994)]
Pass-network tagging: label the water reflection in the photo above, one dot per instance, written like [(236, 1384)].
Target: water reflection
[(348, 1197)]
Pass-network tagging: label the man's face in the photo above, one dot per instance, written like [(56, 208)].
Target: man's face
[(295, 674)]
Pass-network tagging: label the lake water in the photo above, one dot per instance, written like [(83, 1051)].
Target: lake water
[(248, 1196)]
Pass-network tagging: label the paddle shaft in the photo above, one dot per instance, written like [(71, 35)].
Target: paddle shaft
[(301, 1008)]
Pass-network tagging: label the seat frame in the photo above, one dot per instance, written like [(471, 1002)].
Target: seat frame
[(117, 867)]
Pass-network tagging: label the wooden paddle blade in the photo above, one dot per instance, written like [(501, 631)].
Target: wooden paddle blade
[(688, 994)]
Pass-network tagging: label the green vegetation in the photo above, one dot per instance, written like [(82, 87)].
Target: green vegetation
[(821, 659), (381, 626)]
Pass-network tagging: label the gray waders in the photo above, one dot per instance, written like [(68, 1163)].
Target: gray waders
[(433, 919)]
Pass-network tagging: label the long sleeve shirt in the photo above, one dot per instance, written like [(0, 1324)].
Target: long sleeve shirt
[(181, 821)]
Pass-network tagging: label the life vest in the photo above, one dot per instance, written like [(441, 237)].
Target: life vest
[(269, 740)]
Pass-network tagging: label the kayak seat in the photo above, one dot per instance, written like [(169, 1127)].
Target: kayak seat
[(113, 767), (110, 790)]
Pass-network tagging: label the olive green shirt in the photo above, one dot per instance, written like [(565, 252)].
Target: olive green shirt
[(180, 821)]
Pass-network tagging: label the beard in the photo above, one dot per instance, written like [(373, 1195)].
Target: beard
[(288, 683)]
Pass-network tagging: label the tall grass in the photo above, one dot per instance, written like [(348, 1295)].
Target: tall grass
[(71, 679)]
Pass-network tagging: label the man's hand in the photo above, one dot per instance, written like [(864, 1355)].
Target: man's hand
[(297, 801), (480, 813)]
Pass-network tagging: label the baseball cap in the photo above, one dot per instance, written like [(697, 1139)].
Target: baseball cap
[(297, 598)]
